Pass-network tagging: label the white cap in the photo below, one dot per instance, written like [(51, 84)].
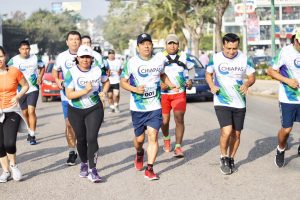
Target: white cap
[(85, 50)]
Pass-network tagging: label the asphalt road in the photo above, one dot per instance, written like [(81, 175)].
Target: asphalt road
[(197, 176)]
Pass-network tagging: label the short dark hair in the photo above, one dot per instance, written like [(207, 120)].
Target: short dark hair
[(111, 51), (2, 49), (86, 36), (293, 38), (230, 37), (24, 43), (73, 33)]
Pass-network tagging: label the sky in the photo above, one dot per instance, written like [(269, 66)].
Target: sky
[(89, 8)]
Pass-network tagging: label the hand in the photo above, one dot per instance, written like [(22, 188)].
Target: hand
[(102, 95), (15, 99), (39, 80), (189, 84), (59, 83), (175, 88), (88, 87), (244, 89), (214, 89), (140, 89), (163, 86), (293, 83)]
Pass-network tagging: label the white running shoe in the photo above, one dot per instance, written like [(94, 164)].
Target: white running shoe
[(16, 173), (4, 177)]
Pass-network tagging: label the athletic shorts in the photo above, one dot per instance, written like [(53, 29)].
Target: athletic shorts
[(65, 105), (231, 116), (29, 99), (114, 87), (177, 102), (290, 113), (141, 120)]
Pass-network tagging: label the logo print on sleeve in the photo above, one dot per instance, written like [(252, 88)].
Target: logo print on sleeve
[(297, 63)]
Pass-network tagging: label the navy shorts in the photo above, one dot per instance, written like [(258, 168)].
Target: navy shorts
[(290, 113), (141, 120), (231, 116), (29, 99), (65, 105)]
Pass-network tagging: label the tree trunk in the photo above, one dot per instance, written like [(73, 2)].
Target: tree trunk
[(220, 9)]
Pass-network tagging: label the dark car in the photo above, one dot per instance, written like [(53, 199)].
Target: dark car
[(49, 88), (200, 89)]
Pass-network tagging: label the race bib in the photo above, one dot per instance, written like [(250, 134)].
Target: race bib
[(149, 92)]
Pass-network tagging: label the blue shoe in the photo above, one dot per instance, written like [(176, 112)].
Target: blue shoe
[(94, 176), (32, 140)]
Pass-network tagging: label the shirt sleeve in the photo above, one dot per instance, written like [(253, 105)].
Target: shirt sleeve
[(126, 71), (189, 62), (250, 67), (210, 66), (19, 75), (68, 81), (40, 63), (278, 60), (57, 66), (10, 62)]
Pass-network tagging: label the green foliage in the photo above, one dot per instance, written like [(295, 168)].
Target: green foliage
[(206, 43)]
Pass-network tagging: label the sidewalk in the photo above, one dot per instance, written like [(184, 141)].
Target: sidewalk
[(265, 88)]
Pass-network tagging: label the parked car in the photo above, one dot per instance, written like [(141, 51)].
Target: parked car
[(49, 88), (200, 89)]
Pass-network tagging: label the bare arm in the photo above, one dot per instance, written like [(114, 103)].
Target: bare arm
[(105, 89), (24, 89), (293, 83), (125, 85), (209, 79), (165, 79), (248, 83), (41, 74), (72, 94), (57, 79)]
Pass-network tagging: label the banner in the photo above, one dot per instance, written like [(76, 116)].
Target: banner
[(253, 29)]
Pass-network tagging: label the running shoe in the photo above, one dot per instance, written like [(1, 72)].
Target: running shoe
[(83, 170), (111, 110), (32, 140), (117, 109), (28, 138), (299, 150), (4, 177), (232, 165), (225, 166), (167, 146), (16, 173), (94, 176), (139, 161), (72, 158), (279, 158), (178, 152), (150, 175)]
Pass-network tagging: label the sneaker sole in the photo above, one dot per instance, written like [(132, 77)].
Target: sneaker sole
[(224, 173), (167, 150), (137, 169), (71, 164), (277, 165), (151, 179), (94, 181), (178, 155), (83, 176)]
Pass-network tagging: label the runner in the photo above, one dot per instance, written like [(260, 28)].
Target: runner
[(10, 117), (286, 70), (176, 63), (229, 68), (83, 88), (141, 76), (64, 62), (33, 69), (115, 69)]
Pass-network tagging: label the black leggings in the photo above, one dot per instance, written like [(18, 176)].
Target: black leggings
[(86, 124), (8, 133)]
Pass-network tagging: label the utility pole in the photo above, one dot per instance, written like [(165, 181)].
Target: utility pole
[(1, 35), (245, 37), (273, 28)]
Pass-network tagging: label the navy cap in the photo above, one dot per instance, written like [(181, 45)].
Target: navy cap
[(143, 37)]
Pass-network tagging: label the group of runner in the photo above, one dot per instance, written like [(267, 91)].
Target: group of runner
[(157, 84)]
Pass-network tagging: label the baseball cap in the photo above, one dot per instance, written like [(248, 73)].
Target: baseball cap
[(298, 34), (143, 37), (172, 38), (85, 50)]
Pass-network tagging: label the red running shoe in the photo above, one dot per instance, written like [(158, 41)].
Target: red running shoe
[(150, 175), (178, 153), (139, 161), (167, 146)]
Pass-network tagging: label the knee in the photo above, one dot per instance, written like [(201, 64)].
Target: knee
[(31, 112), (286, 131)]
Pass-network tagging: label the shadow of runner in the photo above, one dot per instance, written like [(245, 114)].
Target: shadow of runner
[(262, 147), (199, 146)]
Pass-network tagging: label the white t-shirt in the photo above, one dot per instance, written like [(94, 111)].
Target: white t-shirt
[(29, 67), (142, 72), (64, 62), (288, 64), (176, 73), (229, 74), (77, 79), (115, 66)]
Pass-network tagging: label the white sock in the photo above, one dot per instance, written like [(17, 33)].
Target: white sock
[(31, 132), (72, 149), (279, 149), (112, 106), (116, 104)]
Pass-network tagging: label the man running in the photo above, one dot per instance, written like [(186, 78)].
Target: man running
[(33, 69), (141, 76), (115, 69), (225, 77), (287, 70), (176, 63), (64, 62)]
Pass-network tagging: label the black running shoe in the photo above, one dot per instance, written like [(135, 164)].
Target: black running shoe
[(299, 150), (224, 166), (232, 165), (72, 158), (28, 138), (32, 140), (279, 158)]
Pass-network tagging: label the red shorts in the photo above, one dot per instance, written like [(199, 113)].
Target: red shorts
[(177, 102)]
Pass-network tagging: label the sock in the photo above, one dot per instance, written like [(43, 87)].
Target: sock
[(221, 156), (112, 107), (167, 137), (150, 167), (177, 145), (116, 105), (31, 132), (72, 149), (279, 149)]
